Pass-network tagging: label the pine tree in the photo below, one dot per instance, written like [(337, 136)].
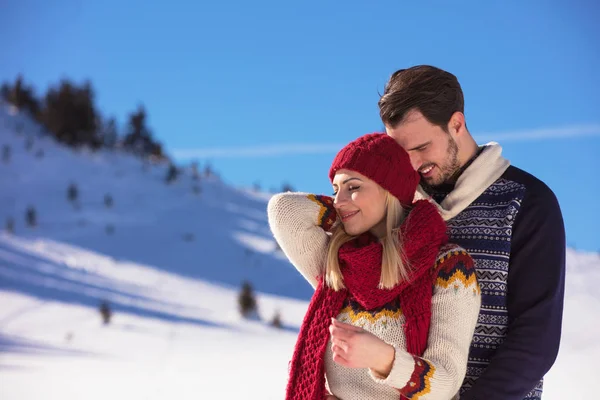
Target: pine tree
[(72, 193), (105, 312), (247, 300), (110, 229), (208, 170), (19, 128), (108, 201), (22, 97), (6, 154), (71, 116), (286, 187), (172, 173), (10, 225), (156, 150), (139, 137), (195, 172), (5, 91), (31, 216), (276, 321), (110, 133)]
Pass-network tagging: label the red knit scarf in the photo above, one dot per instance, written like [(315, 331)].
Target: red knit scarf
[(423, 232)]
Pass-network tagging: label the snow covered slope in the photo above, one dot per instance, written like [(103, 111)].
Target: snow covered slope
[(219, 235), (171, 271)]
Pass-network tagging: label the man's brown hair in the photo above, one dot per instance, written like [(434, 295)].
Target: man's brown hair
[(432, 91)]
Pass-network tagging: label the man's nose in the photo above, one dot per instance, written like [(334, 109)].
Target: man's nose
[(416, 161)]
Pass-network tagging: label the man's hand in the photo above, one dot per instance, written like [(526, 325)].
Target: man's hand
[(353, 347)]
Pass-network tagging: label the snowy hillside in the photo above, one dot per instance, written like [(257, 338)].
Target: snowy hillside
[(228, 238), (171, 270)]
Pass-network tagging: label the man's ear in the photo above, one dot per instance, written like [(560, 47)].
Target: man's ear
[(457, 125)]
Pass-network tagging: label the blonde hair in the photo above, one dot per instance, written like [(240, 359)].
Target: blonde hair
[(393, 266)]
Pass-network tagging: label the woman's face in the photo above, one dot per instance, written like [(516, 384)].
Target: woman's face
[(360, 203)]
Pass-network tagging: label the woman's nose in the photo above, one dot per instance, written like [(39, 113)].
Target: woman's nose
[(340, 199)]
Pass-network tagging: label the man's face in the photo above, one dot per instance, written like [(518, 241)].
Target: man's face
[(433, 152)]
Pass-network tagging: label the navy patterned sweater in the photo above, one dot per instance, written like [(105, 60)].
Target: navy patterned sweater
[(515, 233)]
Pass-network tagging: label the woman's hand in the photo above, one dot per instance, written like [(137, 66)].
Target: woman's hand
[(353, 347)]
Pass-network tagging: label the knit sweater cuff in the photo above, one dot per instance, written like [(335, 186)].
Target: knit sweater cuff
[(327, 215), (401, 372)]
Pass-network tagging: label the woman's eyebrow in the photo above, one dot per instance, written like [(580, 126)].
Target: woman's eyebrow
[(348, 180)]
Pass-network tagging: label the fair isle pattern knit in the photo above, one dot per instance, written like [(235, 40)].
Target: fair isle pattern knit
[(327, 214), (296, 222), (360, 260), (420, 380), (414, 377), (484, 229)]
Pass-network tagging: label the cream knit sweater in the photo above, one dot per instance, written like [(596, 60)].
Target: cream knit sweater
[(296, 220)]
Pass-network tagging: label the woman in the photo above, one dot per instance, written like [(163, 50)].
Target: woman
[(395, 305)]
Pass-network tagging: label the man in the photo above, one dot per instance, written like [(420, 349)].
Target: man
[(508, 220)]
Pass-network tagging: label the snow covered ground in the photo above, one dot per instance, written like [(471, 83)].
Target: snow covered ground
[(187, 341), (171, 271)]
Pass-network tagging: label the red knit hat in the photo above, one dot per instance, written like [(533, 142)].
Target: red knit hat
[(378, 157)]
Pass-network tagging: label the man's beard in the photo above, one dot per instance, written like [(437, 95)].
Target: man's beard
[(449, 170)]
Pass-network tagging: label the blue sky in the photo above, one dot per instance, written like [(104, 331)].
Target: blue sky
[(268, 90)]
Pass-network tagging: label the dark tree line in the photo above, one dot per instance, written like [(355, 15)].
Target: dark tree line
[(68, 112)]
